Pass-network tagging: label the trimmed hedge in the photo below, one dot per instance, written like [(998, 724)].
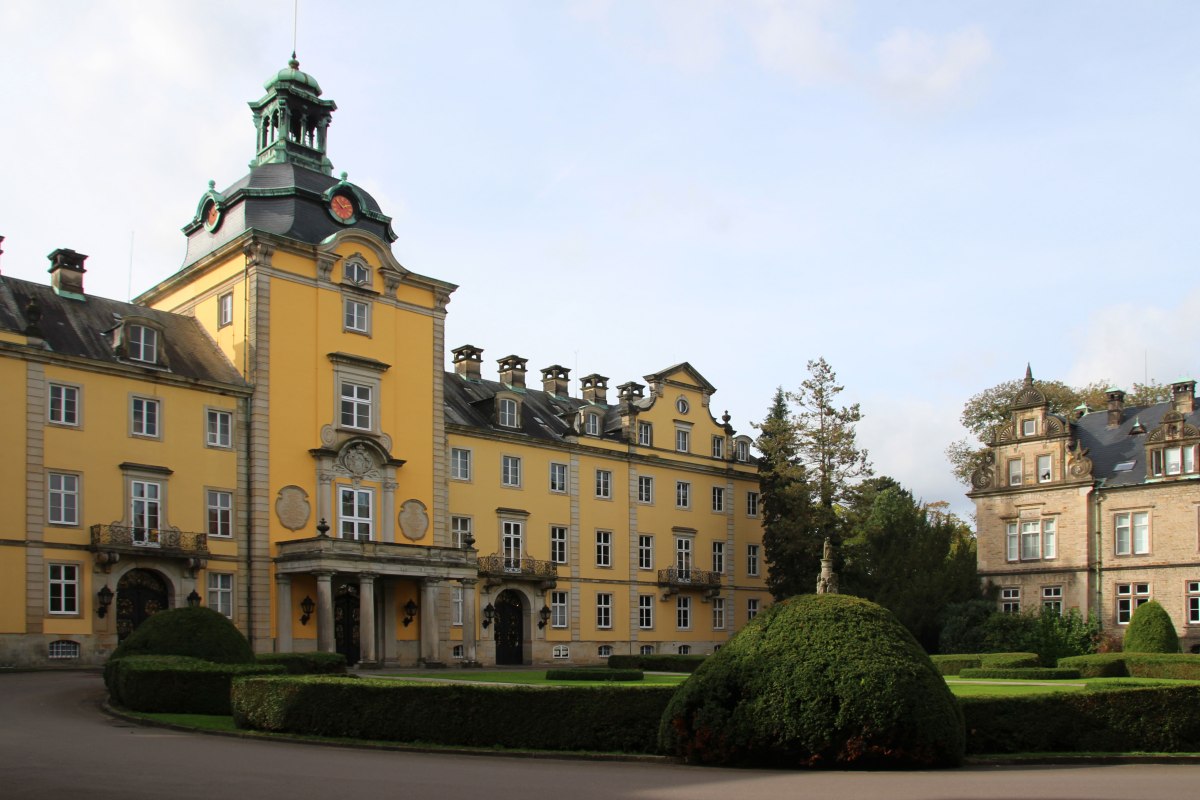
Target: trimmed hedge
[(1022, 674), (177, 684), (306, 663), (1009, 660), (196, 632), (604, 718), (821, 680), (1156, 719), (657, 663), (1179, 666), (597, 674), (1150, 631), (952, 664)]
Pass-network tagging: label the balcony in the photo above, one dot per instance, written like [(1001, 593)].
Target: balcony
[(109, 542), (497, 569), (676, 578)]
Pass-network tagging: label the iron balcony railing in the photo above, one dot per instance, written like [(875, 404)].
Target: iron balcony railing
[(686, 577), (510, 568), (167, 542)]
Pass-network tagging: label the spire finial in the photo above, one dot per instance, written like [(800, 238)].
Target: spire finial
[(1028, 375), (292, 62)]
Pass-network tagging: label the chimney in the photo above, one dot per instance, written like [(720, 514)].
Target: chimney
[(595, 389), (466, 361), (629, 392), (512, 371), (1183, 397), (556, 380), (66, 272), (1116, 404)]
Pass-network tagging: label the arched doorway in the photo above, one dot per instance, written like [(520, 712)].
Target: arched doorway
[(140, 594), (510, 628), (345, 622)]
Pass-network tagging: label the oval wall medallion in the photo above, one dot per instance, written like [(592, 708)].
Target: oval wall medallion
[(414, 522), (291, 507)]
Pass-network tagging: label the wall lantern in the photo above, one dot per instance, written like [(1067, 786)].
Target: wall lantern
[(104, 600), (543, 616), (410, 611), (193, 600), (489, 614), (306, 607)]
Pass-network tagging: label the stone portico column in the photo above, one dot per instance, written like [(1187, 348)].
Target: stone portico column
[(283, 612), (430, 641), (366, 618), (388, 526), (325, 611), (470, 654)]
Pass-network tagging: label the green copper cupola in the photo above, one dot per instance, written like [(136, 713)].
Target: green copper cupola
[(291, 121)]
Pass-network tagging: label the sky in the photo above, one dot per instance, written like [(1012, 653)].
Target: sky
[(929, 195)]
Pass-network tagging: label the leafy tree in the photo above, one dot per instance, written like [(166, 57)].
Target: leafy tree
[(792, 546), (977, 627), (826, 438)]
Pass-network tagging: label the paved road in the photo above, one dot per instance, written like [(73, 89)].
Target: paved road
[(55, 743)]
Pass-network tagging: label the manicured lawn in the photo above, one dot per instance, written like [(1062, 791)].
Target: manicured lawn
[(999, 688), (530, 678)]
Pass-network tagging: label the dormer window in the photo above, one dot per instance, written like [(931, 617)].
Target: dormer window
[(591, 424), (1029, 427), (1169, 461), (506, 412), (141, 344), (357, 273), (743, 451)]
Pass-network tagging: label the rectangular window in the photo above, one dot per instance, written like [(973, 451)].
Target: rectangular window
[(460, 531), (1189, 458), (558, 478), (718, 562), (751, 608), (1014, 472), (356, 406), (143, 344), (592, 425), (64, 588), (718, 498), (354, 317), (645, 434), (751, 504), (718, 606), (1029, 427), (225, 310), (604, 484), (356, 517), (63, 491), (558, 544), (683, 557), (645, 611), (1129, 597), (603, 610), (1132, 533), (1049, 538), (683, 438), (718, 446), (145, 416), (603, 548), (1031, 540), (752, 560), (511, 535), (220, 593), (558, 609), (1011, 542), (1010, 600), (1193, 602), (1044, 473), (743, 451), (507, 412), (1052, 598), (510, 471), (456, 606), (145, 511), (645, 551), (683, 494), (460, 464), (219, 507), (645, 489), (220, 429), (683, 612), (64, 405)]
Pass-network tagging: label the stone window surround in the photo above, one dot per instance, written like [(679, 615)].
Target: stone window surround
[(78, 391), (348, 368)]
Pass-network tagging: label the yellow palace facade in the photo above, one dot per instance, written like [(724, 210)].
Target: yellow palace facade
[(272, 432)]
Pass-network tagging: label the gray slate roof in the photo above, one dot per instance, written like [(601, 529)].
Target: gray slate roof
[(83, 328), (1108, 447), (543, 415)]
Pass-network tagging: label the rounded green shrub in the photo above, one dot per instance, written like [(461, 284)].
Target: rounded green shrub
[(817, 681), (196, 632), (1150, 631)]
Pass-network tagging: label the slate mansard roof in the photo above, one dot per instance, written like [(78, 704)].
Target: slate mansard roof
[(1109, 447), (85, 328)]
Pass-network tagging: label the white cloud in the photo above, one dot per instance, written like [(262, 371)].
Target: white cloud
[(795, 38), (918, 68)]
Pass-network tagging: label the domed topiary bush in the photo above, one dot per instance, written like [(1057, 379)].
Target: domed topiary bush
[(817, 681), (197, 632), (1150, 631)]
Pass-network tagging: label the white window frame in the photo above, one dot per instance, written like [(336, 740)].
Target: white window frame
[(145, 417), (646, 650), (645, 612), (1029, 427), (718, 447), (63, 495), (62, 405), (354, 526), (1016, 472), (604, 651), (646, 489), (683, 557), (1193, 602), (145, 511), (1045, 468), (508, 412), (752, 499), (141, 343), (456, 606), (718, 557), (1136, 537), (645, 551), (591, 424), (604, 545), (63, 589), (357, 405), (218, 508), (1012, 548), (558, 477), (356, 273), (224, 309), (683, 612), (1031, 540), (220, 593), (510, 471), (604, 484), (743, 451), (752, 560), (718, 615), (559, 608), (62, 649), (512, 544), (645, 434), (1049, 538), (682, 406), (1052, 598), (218, 429), (560, 652), (1010, 600), (356, 316), (558, 544), (683, 440), (1129, 597), (718, 499), (751, 608), (460, 530), (683, 494), (460, 464), (604, 610)]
